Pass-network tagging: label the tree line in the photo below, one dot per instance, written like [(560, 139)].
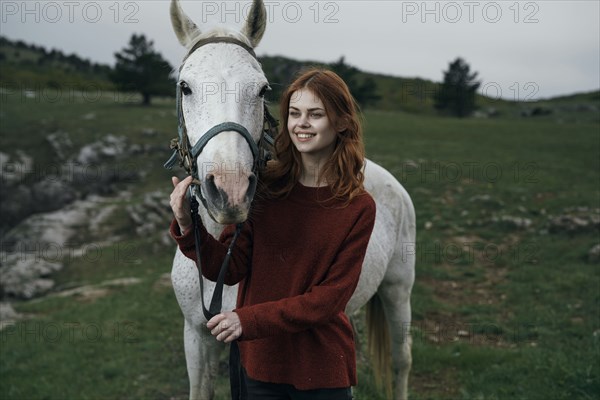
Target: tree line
[(140, 68)]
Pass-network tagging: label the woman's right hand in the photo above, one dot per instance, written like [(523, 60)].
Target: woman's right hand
[(179, 203)]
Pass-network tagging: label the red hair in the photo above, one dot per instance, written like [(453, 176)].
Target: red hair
[(344, 170)]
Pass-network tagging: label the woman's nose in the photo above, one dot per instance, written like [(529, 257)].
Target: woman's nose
[(303, 121)]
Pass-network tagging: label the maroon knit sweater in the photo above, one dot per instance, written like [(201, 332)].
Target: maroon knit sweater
[(298, 263)]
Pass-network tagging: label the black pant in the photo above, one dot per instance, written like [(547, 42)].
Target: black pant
[(258, 390)]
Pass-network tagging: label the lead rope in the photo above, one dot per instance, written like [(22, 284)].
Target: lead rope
[(217, 299), (236, 378)]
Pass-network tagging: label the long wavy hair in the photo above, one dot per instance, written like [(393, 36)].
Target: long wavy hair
[(343, 172)]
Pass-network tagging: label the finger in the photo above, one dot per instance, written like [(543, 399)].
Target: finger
[(232, 337), (227, 335), (220, 328), (175, 181), (214, 321), (182, 186), (226, 329)]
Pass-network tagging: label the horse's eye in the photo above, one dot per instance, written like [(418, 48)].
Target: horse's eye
[(185, 89), (263, 91)]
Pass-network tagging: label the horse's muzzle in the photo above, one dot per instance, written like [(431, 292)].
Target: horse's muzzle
[(228, 201)]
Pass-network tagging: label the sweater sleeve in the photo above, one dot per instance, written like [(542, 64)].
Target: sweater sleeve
[(213, 251), (322, 301)]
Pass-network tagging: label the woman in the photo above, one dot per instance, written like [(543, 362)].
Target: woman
[(298, 257)]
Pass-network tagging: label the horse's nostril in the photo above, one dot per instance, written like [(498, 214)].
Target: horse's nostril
[(218, 197)]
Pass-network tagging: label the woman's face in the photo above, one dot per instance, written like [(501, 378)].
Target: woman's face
[(310, 129)]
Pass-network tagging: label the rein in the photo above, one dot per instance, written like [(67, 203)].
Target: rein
[(186, 155)]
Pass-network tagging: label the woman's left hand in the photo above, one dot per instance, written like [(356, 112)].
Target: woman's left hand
[(225, 327)]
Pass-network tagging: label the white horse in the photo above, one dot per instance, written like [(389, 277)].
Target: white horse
[(224, 82)]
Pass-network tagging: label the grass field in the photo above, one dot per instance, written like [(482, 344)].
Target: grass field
[(500, 311)]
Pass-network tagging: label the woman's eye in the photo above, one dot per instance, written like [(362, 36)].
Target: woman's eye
[(317, 115), (185, 89), (294, 114)]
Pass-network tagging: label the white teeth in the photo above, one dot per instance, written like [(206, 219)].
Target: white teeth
[(304, 135)]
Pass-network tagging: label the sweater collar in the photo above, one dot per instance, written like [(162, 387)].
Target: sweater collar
[(312, 196)]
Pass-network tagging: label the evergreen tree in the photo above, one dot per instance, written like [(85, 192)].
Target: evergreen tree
[(365, 93), (141, 69), (457, 93)]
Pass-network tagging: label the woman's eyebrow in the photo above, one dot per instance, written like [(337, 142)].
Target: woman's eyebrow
[(310, 109)]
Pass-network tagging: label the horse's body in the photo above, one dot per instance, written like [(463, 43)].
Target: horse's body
[(388, 269)]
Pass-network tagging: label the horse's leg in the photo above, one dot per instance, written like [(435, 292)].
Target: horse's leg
[(395, 292), (202, 359)]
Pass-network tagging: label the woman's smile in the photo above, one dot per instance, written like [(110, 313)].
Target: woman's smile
[(305, 136)]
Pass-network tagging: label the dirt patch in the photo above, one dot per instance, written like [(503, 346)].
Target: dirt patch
[(475, 284), (85, 294), (90, 293), (442, 385), (163, 282)]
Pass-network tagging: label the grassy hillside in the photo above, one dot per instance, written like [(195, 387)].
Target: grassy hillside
[(29, 66), (502, 309)]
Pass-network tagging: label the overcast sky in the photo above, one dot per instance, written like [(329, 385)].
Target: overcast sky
[(521, 49)]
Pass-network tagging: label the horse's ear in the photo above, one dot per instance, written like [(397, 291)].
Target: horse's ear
[(185, 29), (256, 23)]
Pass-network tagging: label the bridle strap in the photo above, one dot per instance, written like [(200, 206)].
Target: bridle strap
[(220, 39), (216, 302), (225, 126)]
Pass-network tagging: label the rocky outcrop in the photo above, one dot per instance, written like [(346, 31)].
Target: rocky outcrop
[(594, 254), (97, 168), (152, 215), (575, 220), (36, 248)]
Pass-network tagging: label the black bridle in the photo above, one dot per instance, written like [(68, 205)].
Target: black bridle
[(186, 154)]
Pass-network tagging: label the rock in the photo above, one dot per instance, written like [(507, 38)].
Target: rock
[(594, 254), (410, 163), (514, 222), (575, 220), (24, 276), (14, 169), (8, 315), (108, 148), (51, 194), (15, 207), (61, 143), (37, 247), (7, 312), (152, 215), (486, 200)]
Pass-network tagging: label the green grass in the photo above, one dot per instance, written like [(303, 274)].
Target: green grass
[(530, 307)]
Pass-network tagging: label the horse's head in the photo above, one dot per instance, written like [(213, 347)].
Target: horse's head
[(222, 82)]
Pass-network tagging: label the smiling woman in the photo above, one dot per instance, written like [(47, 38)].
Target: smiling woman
[(321, 142)]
